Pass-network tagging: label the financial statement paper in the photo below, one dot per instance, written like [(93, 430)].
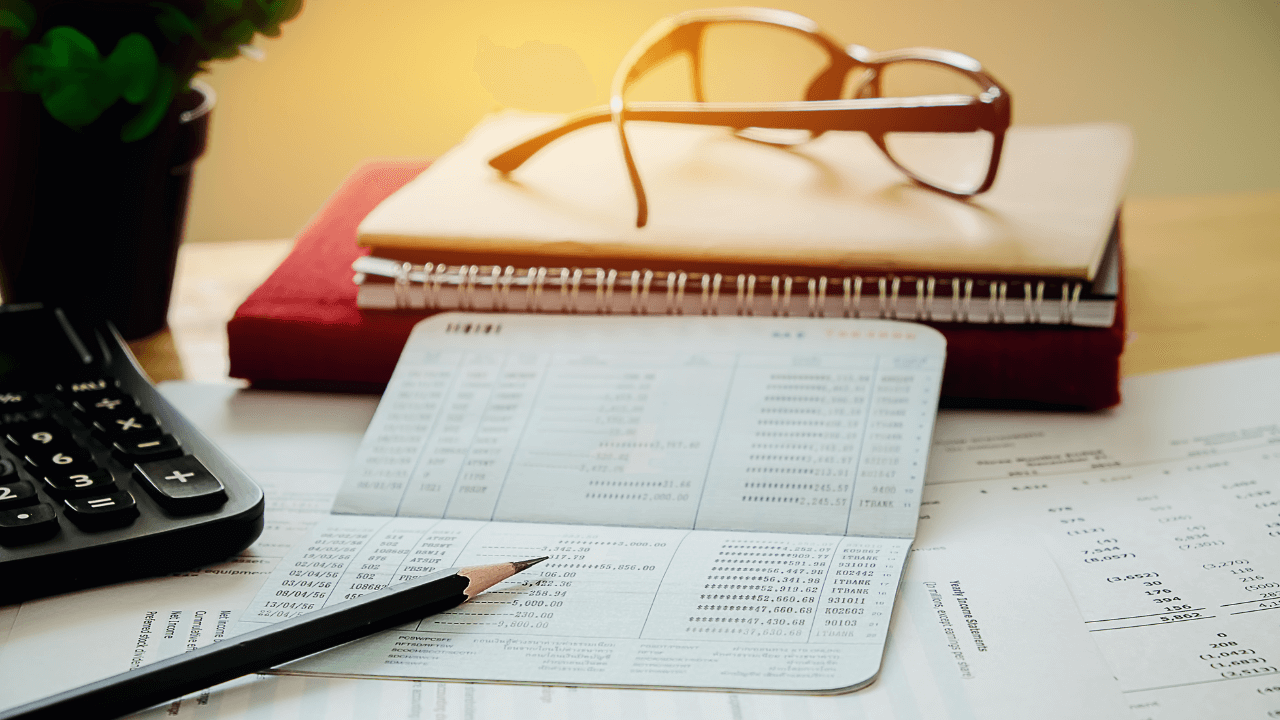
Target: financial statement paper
[(726, 502), (1163, 517), (297, 445)]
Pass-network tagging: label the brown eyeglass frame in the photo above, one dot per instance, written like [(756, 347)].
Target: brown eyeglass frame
[(821, 111)]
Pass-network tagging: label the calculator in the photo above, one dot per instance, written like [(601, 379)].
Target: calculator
[(101, 478)]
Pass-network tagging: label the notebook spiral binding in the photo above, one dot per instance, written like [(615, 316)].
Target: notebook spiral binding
[(494, 288)]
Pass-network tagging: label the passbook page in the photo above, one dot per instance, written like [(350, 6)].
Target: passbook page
[(726, 502), (785, 424)]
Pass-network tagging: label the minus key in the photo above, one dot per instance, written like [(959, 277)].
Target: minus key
[(141, 450)]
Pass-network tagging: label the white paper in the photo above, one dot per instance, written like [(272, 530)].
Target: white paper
[(1163, 517), (734, 496), (293, 443), (781, 424), (927, 672), (622, 606)]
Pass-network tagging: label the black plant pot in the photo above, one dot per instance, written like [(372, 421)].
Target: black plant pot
[(90, 223)]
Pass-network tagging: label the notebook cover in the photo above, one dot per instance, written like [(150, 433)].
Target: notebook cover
[(718, 203), (301, 328)]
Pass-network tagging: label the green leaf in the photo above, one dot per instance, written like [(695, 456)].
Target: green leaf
[(132, 66), (76, 84), (76, 95), (231, 38), (221, 10), (30, 67), (153, 109), (68, 73), (72, 105), (70, 46), (290, 9), (18, 17), (241, 33), (261, 12), (173, 23)]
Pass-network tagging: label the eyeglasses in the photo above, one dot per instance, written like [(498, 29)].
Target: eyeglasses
[(935, 114)]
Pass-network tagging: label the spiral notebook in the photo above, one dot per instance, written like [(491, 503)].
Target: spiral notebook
[(830, 228), (302, 329)]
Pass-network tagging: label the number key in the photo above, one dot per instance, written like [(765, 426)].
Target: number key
[(93, 482), (72, 459), (17, 494), (37, 436)]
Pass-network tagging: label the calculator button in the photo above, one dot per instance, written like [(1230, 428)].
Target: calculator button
[(7, 468), (93, 482), (103, 404), (86, 386), (13, 416), (35, 436), (156, 448), (181, 485), (100, 512), (127, 426), (68, 459), (27, 525), (17, 401), (19, 493)]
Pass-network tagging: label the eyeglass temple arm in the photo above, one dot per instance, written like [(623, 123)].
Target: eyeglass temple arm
[(684, 34), (508, 160), (962, 114), (686, 37), (637, 187), (682, 38)]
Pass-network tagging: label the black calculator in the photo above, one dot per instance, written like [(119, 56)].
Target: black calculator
[(101, 478)]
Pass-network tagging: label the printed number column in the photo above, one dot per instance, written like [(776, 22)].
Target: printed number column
[(895, 446)]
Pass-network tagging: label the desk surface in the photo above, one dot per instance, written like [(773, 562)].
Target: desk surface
[(1200, 286), (1226, 245)]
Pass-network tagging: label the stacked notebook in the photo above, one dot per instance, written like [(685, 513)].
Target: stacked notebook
[(1024, 280)]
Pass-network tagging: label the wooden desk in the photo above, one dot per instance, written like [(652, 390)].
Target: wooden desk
[(1201, 281), (1202, 273), (211, 282)]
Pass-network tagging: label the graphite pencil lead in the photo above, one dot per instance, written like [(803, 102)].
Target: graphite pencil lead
[(523, 564), (483, 577)]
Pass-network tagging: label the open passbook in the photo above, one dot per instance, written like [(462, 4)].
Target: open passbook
[(726, 502)]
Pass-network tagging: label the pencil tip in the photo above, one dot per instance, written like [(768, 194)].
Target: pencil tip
[(524, 564), (483, 577)]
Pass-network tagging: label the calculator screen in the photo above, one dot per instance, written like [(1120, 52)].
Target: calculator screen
[(34, 347)]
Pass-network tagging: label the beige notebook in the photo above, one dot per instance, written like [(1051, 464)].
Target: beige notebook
[(826, 229), (720, 203)]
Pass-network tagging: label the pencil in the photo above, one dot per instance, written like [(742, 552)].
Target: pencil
[(270, 646)]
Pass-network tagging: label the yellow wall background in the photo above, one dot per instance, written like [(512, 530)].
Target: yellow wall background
[(1198, 80)]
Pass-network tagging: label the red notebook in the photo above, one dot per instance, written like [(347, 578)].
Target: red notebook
[(301, 329)]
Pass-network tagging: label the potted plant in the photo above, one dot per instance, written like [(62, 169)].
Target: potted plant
[(100, 123)]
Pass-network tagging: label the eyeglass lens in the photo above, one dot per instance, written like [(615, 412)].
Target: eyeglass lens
[(954, 161), (753, 62)]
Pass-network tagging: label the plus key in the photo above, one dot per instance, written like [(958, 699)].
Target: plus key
[(181, 485)]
